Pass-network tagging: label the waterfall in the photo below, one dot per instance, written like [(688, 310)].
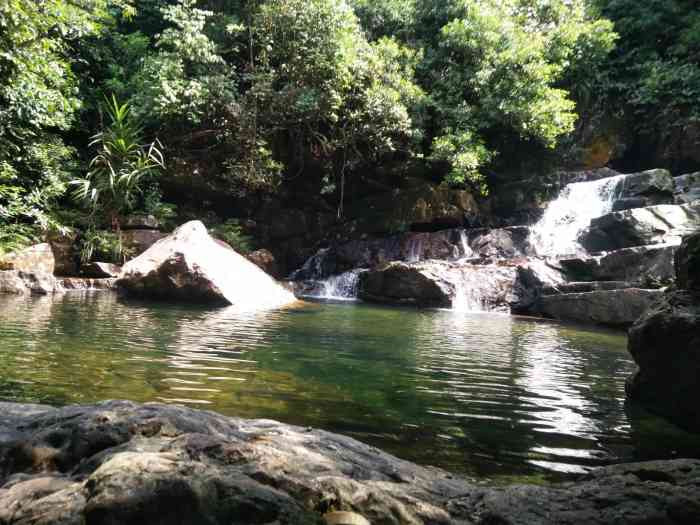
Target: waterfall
[(468, 299), (342, 287), (466, 251), (556, 233), (415, 249)]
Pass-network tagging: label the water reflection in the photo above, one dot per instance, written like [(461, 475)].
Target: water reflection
[(475, 393)]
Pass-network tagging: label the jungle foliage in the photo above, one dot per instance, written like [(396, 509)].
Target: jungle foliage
[(259, 97)]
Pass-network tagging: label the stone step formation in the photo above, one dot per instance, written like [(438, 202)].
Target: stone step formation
[(627, 237)]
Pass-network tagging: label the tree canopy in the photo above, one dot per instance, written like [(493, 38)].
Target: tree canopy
[(252, 97)]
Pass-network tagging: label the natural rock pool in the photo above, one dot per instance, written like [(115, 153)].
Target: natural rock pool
[(479, 394)]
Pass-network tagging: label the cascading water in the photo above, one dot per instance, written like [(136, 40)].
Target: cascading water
[(556, 233), (341, 287), (415, 249), (465, 249)]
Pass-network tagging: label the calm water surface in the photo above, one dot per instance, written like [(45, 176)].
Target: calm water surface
[(478, 394)]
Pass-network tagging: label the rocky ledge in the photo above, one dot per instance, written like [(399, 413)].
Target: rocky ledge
[(119, 462)]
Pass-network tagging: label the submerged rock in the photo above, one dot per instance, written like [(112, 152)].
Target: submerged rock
[(122, 463), (643, 226), (191, 266)]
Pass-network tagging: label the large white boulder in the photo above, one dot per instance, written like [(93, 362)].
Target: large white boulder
[(191, 266)]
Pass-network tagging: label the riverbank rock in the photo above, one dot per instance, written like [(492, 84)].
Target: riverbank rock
[(648, 188), (663, 224), (20, 282), (617, 307), (37, 258), (189, 265), (122, 463)]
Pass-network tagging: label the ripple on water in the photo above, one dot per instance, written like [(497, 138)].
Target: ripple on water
[(479, 394)]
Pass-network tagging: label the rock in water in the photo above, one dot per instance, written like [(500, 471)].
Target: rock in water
[(122, 463), (665, 343), (191, 266)]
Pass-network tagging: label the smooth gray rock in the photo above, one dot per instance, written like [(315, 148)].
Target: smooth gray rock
[(190, 266), (643, 266), (647, 188), (687, 188), (122, 463), (663, 224), (606, 307)]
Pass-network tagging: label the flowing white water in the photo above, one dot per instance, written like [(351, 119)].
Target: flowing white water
[(466, 250), (556, 233), (468, 299), (415, 249), (342, 287)]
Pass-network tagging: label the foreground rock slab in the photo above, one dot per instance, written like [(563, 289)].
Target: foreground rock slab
[(191, 266), (121, 463)]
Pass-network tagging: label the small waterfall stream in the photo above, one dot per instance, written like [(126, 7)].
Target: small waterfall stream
[(556, 233)]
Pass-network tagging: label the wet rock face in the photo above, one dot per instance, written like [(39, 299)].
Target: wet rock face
[(121, 463), (648, 188), (640, 227), (191, 266)]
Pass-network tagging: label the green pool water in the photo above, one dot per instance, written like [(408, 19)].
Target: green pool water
[(478, 394)]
